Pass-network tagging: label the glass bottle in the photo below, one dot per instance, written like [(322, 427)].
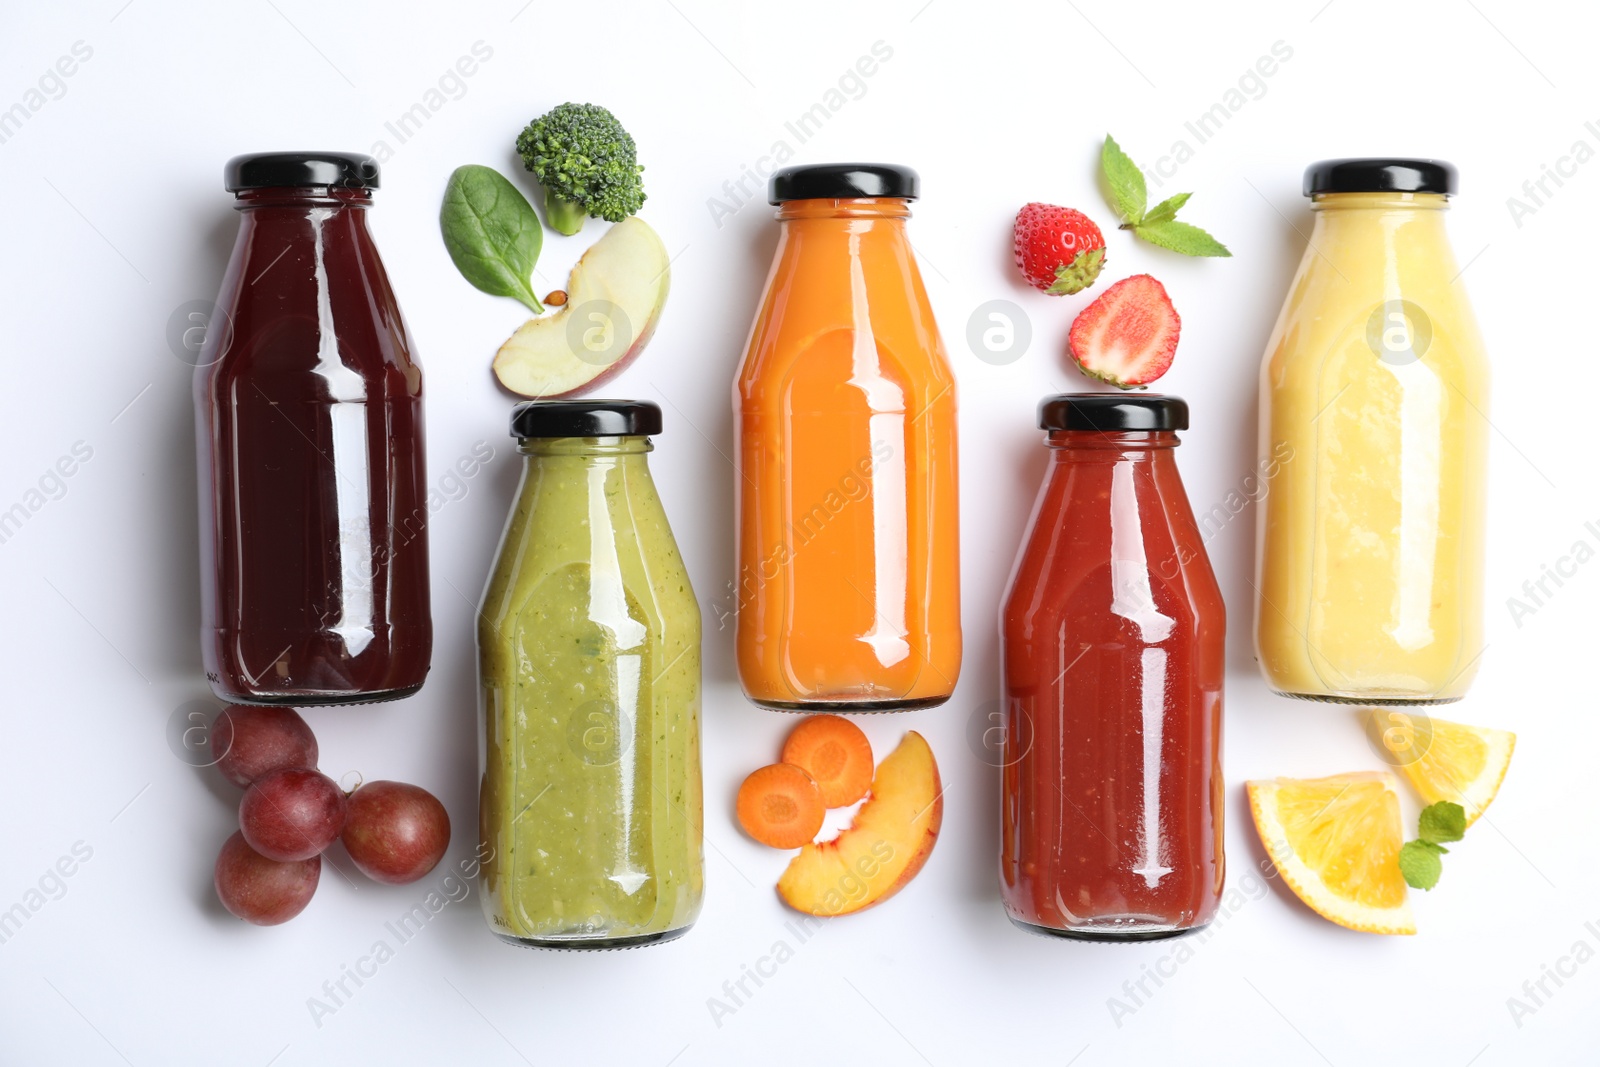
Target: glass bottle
[(589, 672), (1112, 656), (312, 477), (847, 592), (1374, 443)]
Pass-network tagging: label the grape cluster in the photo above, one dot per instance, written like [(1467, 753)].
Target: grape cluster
[(291, 813)]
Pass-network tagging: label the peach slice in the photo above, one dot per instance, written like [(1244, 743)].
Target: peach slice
[(884, 847), (614, 298)]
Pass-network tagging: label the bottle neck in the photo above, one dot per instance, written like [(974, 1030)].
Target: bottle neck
[(1379, 241), (583, 447), (879, 208), (1102, 446), (1342, 211), (298, 199), (1390, 201)]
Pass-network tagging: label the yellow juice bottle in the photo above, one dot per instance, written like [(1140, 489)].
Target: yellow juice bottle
[(1374, 438)]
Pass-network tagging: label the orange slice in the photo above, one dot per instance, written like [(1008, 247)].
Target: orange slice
[(1463, 764), (1336, 842)]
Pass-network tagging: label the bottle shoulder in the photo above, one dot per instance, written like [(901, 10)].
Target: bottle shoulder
[(1109, 539), (306, 288), (604, 530), (1383, 283), (862, 295)]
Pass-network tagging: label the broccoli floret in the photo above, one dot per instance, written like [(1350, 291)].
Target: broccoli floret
[(587, 164)]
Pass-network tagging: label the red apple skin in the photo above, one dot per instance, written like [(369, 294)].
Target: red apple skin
[(611, 371), (592, 278)]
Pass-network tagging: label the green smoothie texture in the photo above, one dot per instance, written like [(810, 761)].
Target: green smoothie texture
[(589, 666)]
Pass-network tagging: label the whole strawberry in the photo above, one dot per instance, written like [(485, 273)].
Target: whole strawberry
[(1058, 249)]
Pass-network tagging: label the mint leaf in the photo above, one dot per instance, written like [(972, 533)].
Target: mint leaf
[(1419, 859), (1419, 864), (1159, 225), (1167, 210), (1125, 180), (1443, 821), (1182, 238)]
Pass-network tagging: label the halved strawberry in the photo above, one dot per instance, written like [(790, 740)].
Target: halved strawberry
[(1059, 250), (1127, 337)]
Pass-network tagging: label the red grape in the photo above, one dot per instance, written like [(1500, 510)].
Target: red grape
[(396, 833), (263, 891), (292, 814), (247, 742)]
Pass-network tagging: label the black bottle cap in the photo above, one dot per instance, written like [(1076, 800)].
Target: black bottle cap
[(843, 181), (1113, 412), (273, 170), (585, 418), (1380, 176)]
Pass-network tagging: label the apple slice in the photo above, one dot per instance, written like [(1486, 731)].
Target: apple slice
[(884, 847), (614, 297)]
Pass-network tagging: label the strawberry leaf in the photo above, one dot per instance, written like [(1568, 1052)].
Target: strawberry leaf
[(1125, 181), (1079, 274), (1167, 210), (1182, 238)]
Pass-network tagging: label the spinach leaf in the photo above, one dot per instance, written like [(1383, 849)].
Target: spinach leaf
[(492, 233)]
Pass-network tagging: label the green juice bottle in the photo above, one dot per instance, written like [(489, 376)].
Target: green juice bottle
[(589, 671)]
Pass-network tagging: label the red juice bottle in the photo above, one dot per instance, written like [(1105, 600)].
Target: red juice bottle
[(1112, 636), (313, 495)]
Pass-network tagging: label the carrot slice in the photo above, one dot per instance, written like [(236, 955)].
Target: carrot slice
[(835, 752), (780, 805)]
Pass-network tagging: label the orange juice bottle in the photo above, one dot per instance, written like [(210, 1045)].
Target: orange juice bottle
[(848, 576)]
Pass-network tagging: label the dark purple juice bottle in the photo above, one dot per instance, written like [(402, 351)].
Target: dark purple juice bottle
[(313, 495)]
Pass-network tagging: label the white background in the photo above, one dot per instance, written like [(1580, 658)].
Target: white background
[(116, 216)]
